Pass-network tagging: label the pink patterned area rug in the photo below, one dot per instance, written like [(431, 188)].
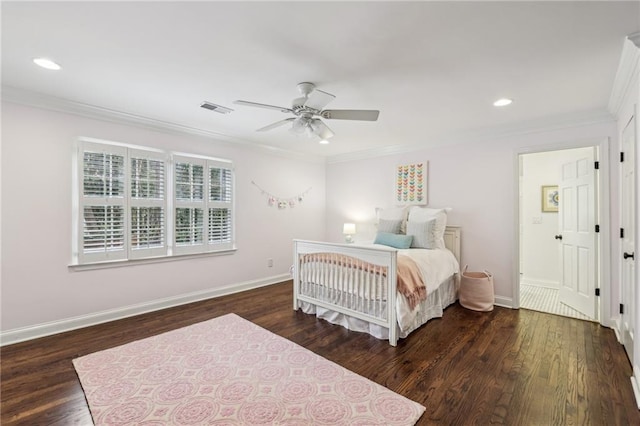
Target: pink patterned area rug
[(229, 371)]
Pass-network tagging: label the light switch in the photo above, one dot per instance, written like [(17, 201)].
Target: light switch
[(537, 220)]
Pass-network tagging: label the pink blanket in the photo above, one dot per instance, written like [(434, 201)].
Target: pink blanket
[(410, 282)]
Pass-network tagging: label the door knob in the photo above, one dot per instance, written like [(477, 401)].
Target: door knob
[(627, 255), (558, 237)]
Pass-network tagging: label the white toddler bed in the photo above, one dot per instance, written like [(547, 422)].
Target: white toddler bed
[(347, 284)]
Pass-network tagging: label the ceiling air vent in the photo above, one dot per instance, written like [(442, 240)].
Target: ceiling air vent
[(216, 108)]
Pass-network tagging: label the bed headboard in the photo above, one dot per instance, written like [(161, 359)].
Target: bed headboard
[(452, 240)]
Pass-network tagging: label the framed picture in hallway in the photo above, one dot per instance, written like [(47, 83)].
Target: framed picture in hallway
[(550, 198)]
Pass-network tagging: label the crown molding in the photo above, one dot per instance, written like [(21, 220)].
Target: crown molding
[(627, 74), (584, 118), (39, 100)]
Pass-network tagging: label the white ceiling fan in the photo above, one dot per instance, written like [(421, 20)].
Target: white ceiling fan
[(307, 110)]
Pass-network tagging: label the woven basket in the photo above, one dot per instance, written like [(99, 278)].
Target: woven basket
[(476, 290)]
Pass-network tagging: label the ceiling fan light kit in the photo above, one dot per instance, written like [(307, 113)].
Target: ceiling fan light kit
[(308, 109)]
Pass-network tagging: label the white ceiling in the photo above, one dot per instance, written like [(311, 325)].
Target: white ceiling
[(433, 69)]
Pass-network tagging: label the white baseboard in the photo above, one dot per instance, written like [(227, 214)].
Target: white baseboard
[(635, 387), (46, 329), (505, 302), (616, 330)]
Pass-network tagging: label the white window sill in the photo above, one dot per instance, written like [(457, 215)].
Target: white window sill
[(148, 260)]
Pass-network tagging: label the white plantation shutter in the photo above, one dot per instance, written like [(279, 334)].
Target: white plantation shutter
[(148, 204), (103, 230), (102, 203), (219, 226), (220, 230), (189, 202)]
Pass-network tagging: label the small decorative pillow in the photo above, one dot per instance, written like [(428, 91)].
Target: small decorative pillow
[(398, 241), (389, 226), (423, 233)]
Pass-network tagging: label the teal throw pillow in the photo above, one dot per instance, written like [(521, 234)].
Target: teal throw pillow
[(399, 241)]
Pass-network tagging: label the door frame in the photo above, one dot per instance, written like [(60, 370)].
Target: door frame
[(619, 327), (602, 210)]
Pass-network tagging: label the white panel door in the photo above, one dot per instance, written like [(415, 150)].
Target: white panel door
[(577, 220), (627, 223)]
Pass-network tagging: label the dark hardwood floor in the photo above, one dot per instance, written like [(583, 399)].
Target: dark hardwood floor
[(513, 367)]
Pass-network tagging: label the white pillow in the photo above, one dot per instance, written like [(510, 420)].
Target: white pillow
[(421, 214), (423, 233), (393, 213)]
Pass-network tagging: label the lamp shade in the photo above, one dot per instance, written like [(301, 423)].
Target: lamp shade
[(349, 228)]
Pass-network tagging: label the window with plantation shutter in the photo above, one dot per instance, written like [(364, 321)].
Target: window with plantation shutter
[(134, 202), (203, 204)]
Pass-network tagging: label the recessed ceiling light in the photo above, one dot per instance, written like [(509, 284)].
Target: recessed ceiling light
[(324, 142), (502, 102), (47, 63)]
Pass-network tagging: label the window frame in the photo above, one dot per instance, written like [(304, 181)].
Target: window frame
[(168, 250)]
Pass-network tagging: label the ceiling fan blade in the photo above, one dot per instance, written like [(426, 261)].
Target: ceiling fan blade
[(318, 99), (276, 124), (255, 104), (322, 129), (350, 114)]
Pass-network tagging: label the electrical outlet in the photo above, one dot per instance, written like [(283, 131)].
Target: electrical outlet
[(270, 263)]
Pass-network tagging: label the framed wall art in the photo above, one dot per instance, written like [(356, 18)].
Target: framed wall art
[(550, 198), (411, 184)]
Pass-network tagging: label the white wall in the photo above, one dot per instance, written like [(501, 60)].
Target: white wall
[(37, 284), (540, 256), (477, 179)]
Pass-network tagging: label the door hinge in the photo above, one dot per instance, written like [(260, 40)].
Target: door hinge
[(621, 156), (621, 232), (597, 228), (596, 165), (597, 292), (621, 308)]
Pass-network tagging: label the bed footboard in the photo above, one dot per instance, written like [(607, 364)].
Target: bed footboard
[(353, 280)]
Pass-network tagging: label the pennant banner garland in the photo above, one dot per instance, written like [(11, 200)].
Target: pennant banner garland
[(282, 203)]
